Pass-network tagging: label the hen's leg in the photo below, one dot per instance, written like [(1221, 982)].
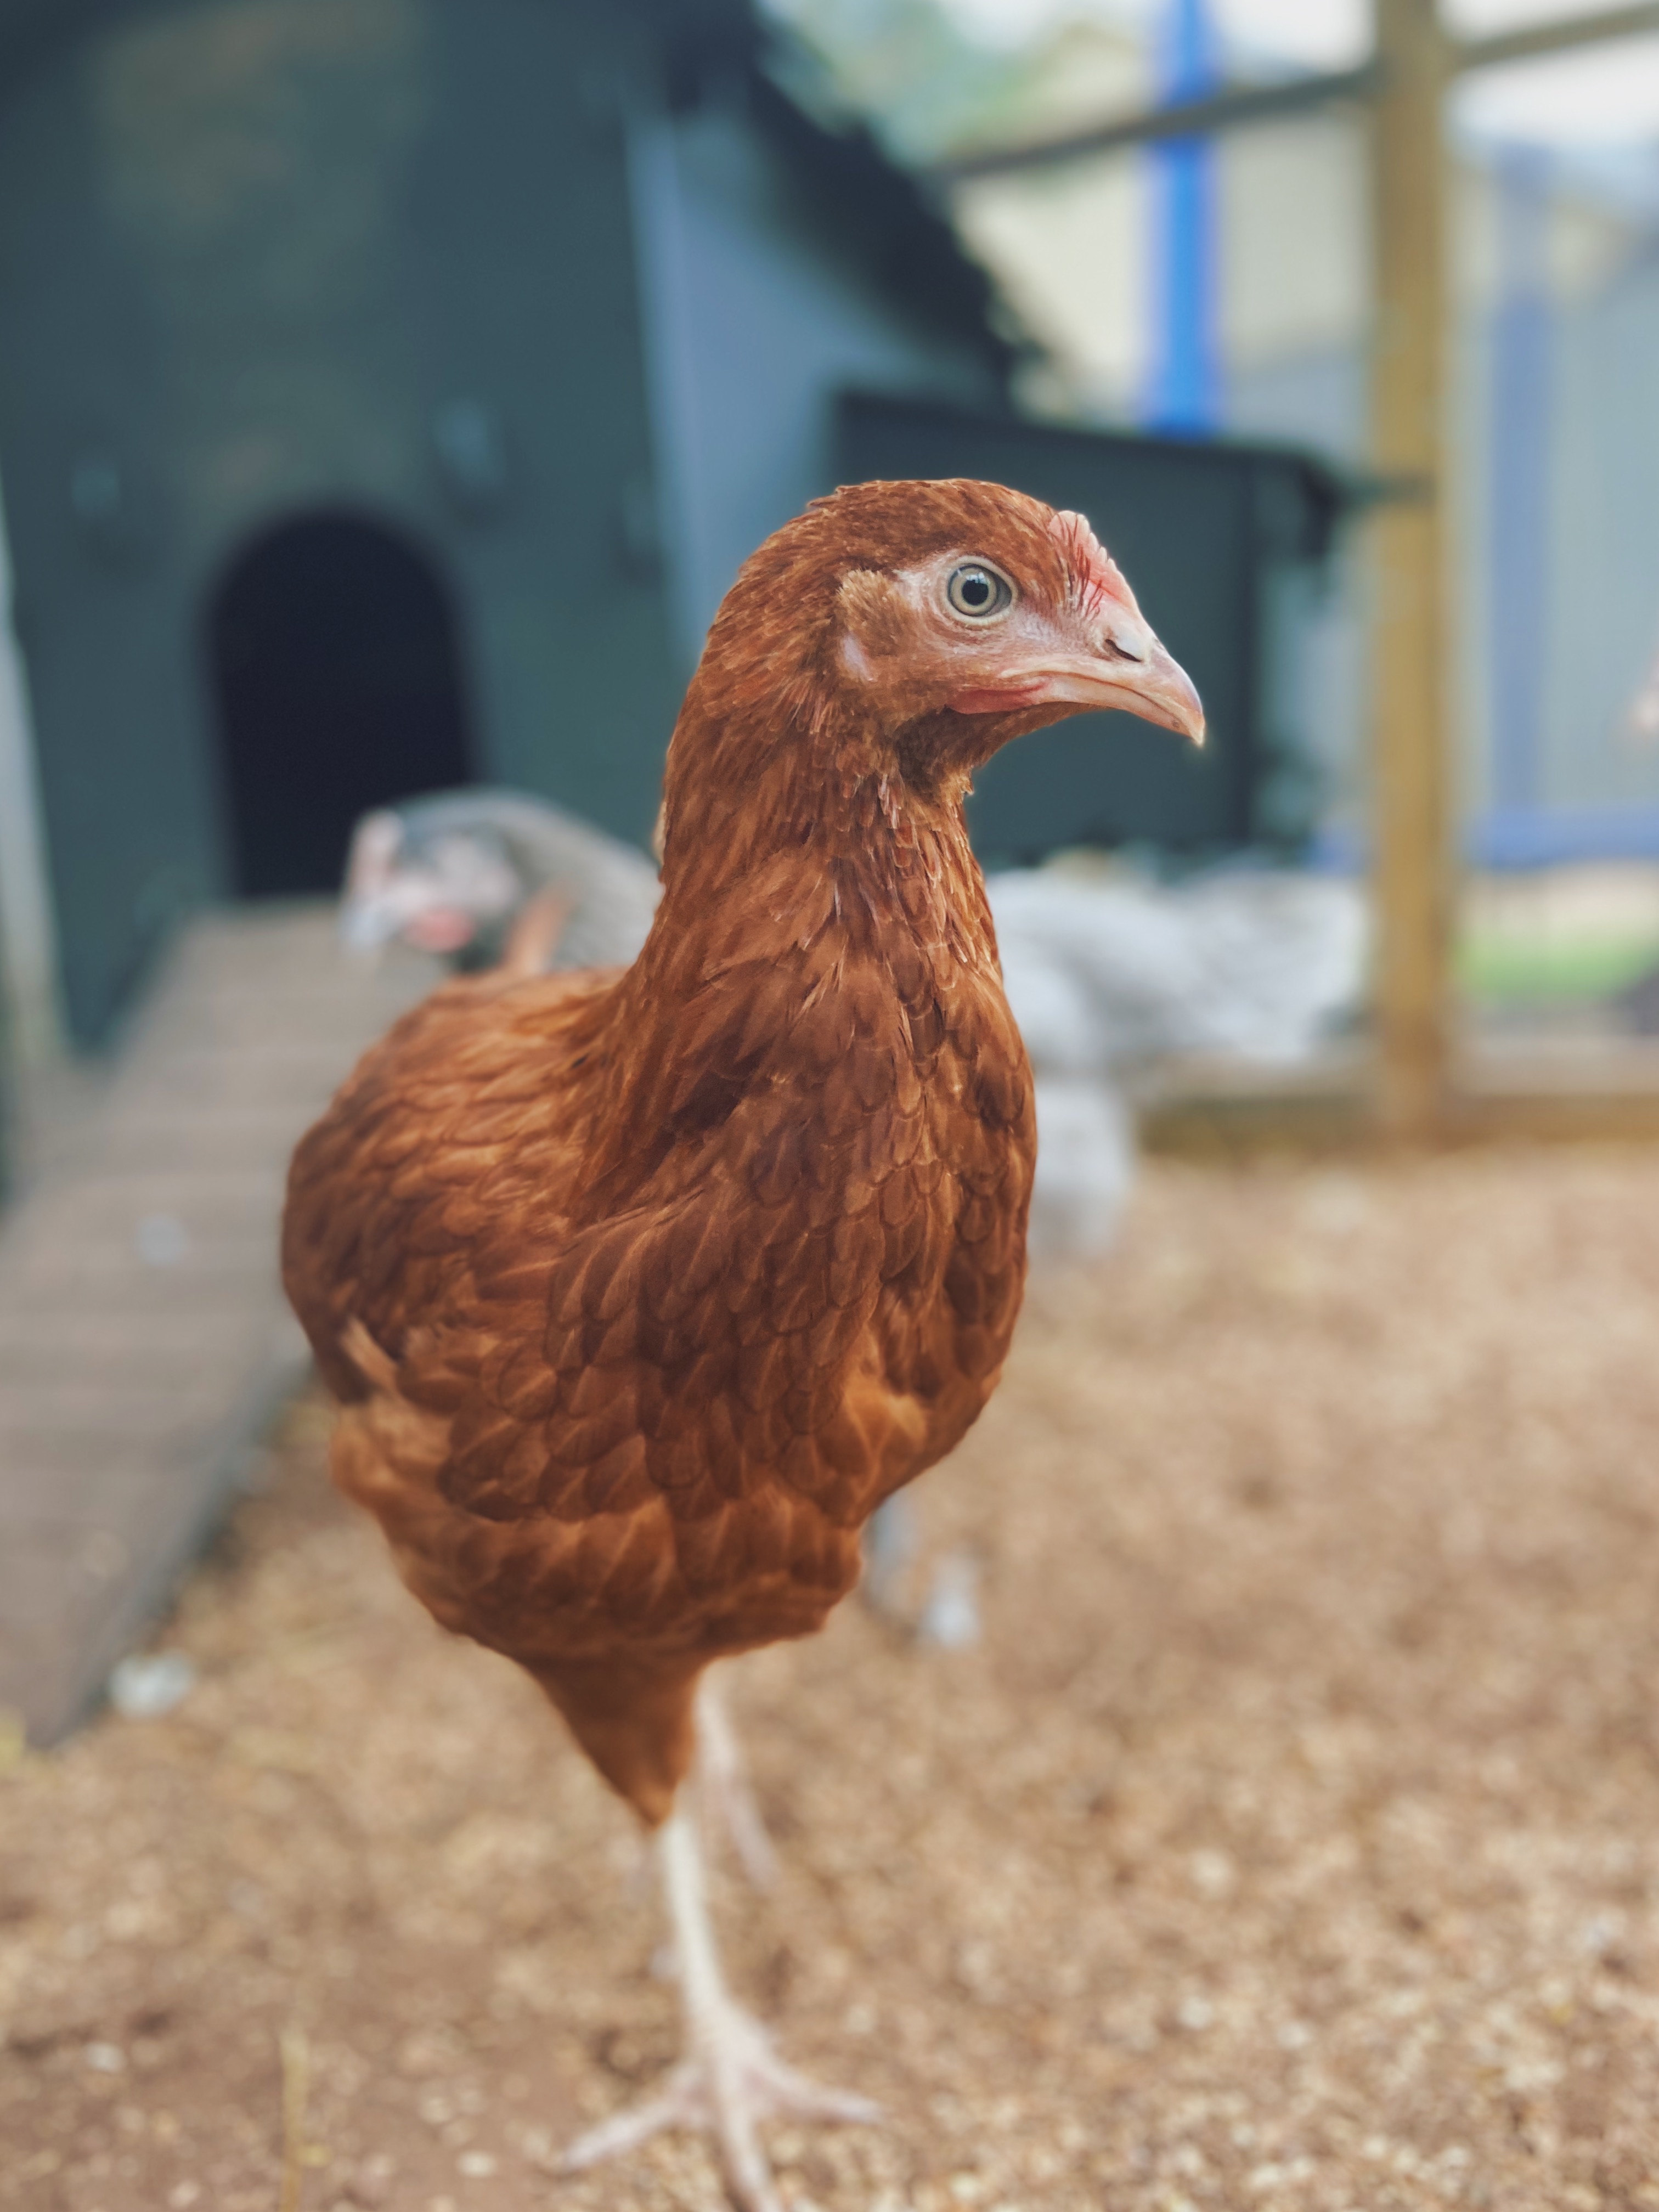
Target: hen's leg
[(890, 1545), (723, 1791), (948, 1618), (731, 2078)]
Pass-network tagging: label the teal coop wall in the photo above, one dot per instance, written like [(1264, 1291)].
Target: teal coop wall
[(558, 296)]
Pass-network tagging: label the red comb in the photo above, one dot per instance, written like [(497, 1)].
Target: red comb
[(1096, 577)]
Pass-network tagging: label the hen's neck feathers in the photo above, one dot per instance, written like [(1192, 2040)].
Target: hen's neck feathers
[(787, 814), (801, 875)]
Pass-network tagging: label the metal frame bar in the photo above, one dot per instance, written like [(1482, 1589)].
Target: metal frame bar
[(1246, 105), (1186, 118), (1556, 37)]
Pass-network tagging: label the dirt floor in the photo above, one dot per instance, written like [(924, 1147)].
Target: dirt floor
[(1292, 1839)]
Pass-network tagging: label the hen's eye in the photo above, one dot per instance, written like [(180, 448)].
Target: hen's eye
[(978, 590)]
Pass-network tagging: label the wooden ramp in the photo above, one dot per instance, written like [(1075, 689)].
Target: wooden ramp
[(143, 1338)]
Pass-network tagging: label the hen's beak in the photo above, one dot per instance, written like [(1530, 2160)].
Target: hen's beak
[(1146, 681), (1133, 674)]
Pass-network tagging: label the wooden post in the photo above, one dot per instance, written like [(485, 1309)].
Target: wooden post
[(1413, 781)]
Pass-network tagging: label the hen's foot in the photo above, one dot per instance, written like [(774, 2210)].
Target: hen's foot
[(734, 2080), (890, 1550)]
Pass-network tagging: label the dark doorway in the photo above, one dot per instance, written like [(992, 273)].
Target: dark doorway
[(336, 668)]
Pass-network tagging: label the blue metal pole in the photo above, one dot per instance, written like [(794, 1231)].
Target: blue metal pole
[(1183, 392)]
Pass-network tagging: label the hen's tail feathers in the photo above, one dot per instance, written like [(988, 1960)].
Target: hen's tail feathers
[(534, 937), (377, 1367)]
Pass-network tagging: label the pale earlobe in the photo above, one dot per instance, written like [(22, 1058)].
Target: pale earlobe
[(855, 660)]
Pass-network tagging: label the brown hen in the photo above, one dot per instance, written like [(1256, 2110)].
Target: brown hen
[(641, 1289)]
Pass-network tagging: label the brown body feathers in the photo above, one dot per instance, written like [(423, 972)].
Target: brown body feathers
[(640, 1290)]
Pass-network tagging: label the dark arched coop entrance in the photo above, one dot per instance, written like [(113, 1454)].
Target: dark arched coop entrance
[(335, 667)]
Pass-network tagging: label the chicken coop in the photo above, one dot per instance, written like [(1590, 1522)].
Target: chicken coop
[(389, 389)]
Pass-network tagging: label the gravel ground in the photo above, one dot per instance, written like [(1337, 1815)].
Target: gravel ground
[(1292, 1839)]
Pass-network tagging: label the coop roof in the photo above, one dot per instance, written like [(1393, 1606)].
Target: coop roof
[(870, 209)]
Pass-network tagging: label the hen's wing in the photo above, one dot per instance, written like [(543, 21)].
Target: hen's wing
[(468, 1104)]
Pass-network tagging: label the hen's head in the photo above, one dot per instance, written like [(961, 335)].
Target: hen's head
[(928, 623)]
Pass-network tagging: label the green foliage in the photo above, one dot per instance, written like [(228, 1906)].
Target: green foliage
[(1501, 965)]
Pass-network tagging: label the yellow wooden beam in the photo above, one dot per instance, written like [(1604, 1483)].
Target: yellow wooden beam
[(1613, 1098), (1412, 801)]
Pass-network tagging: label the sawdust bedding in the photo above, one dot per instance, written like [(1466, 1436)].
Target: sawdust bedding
[(1291, 1840)]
